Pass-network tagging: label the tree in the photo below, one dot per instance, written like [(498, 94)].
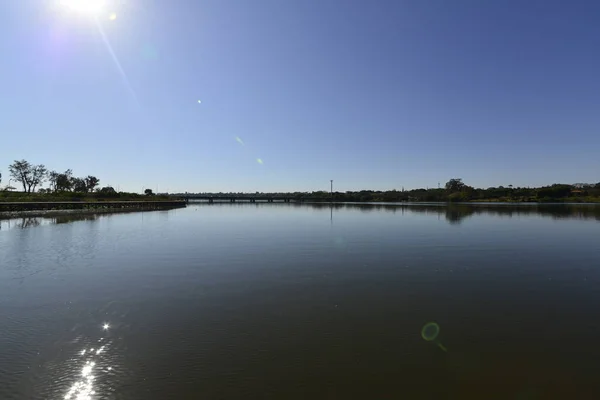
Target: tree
[(91, 182), (64, 181), (108, 191), (148, 192), (29, 175), (21, 172), (39, 175), (79, 185), (52, 178), (555, 191), (455, 185)]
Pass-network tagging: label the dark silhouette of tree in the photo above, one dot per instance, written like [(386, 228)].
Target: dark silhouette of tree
[(91, 182), (38, 176), (148, 192), (29, 175), (455, 185), (108, 190), (52, 178), (79, 185), (64, 181), (555, 191), (21, 172)]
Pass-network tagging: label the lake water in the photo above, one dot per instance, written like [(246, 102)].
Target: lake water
[(284, 301)]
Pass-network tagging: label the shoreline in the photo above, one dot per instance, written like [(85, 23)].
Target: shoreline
[(6, 215)]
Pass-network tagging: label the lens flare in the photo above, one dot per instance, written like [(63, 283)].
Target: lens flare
[(430, 332), (260, 161), (89, 7), (117, 64)]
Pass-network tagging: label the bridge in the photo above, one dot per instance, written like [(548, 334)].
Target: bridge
[(246, 198)]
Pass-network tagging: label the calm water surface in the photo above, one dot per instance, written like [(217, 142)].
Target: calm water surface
[(278, 301)]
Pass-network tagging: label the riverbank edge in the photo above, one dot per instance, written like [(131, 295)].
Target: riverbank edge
[(5, 215)]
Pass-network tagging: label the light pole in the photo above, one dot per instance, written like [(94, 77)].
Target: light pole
[(331, 190)]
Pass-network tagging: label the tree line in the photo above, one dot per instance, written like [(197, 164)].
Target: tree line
[(455, 190), (31, 177)]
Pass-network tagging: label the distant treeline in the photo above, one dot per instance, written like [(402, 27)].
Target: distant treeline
[(455, 191)]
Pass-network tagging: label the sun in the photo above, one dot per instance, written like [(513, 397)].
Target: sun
[(89, 7)]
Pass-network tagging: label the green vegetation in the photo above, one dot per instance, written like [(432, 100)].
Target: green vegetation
[(104, 194), (455, 190), (63, 186)]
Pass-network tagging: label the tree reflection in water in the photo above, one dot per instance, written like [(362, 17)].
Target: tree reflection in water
[(456, 213), (453, 213)]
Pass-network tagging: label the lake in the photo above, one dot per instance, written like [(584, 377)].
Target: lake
[(286, 301)]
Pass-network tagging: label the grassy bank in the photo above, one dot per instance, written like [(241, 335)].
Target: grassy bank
[(19, 204), (6, 196), (74, 214)]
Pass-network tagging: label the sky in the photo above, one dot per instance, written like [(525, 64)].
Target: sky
[(286, 95)]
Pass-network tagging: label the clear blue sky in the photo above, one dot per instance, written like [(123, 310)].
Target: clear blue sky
[(371, 94)]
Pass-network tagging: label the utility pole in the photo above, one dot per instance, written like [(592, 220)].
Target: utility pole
[(331, 190)]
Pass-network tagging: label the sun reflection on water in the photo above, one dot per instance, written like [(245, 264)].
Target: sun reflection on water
[(83, 388)]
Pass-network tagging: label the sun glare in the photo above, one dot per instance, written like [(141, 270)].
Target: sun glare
[(89, 7)]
